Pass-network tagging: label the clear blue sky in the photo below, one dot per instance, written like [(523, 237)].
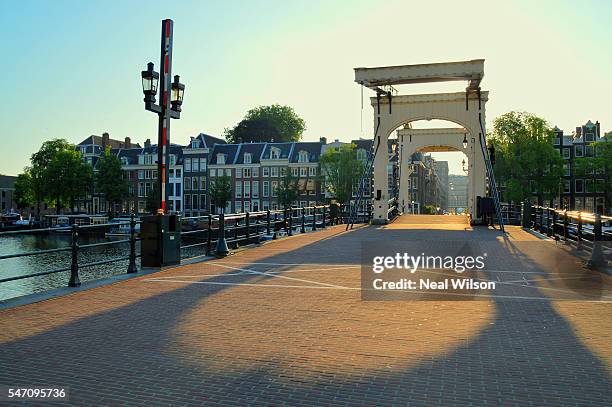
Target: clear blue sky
[(72, 68)]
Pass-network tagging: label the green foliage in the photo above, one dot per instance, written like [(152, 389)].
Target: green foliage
[(70, 177), (430, 210), (58, 174), (24, 193), (287, 190), (526, 161), (110, 180), (220, 190), (342, 171), (268, 123)]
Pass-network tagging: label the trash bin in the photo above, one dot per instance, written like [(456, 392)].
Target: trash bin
[(161, 240)]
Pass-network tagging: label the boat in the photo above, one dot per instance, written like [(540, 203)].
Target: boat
[(122, 227), (61, 224), (64, 223)]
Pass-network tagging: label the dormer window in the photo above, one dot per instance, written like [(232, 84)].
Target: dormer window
[(274, 153), (220, 158), (303, 157), (195, 144), (124, 161), (247, 158)]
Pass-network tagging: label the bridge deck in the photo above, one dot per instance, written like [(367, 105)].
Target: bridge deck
[(284, 323)]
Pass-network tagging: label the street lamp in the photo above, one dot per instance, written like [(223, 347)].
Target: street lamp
[(169, 107), (465, 143)]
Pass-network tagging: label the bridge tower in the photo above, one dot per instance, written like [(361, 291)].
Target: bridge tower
[(391, 111)]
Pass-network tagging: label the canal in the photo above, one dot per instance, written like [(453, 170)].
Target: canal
[(13, 244)]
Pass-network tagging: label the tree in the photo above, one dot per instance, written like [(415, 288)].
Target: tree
[(526, 161), (110, 180), (254, 131), (69, 176), (41, 187), (596, 167), (220, 190), (342, 171), (152, 199), (287, 190), (24, 193), (286, 125)]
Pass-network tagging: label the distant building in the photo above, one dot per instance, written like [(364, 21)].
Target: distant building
[(457, 193), (442, 171), (7, 193)]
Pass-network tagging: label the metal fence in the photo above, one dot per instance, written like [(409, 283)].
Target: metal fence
[(208, 232)]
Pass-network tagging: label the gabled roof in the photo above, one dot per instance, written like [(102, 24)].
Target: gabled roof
[(285, 150), (97, 141), (207, 141), (255, 149), (7, 181), (313, 148), (366, 144), (229, 150), (132, 153)]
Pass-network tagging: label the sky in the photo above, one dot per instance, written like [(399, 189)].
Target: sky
[(72, 68)]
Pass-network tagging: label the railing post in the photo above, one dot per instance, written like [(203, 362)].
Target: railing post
[(526, 214), (286, 222), (314, 218), (132, 266), (597, 258), (247, 220), (222, 249), (74, 266), (565, 224), (209, 234), (324, 215), (274, 237), (303, 229), (548, 223), (579, 237), (554, 222), (268, 222)]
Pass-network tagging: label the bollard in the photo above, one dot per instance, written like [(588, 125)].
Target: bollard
[(221, 250), (268, 222), (526, 214), (579, 228), (290, 211), (132, 266), (209, 234), (74, 266), (274, 237), (303, 229), (597, 258), (554, 223), (314, 218)]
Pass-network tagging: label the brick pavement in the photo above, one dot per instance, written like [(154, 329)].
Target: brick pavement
[(283, 324)]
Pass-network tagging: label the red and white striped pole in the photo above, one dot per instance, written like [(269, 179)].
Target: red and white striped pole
[(164, 117)]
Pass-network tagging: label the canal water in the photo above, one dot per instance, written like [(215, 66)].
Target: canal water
[(18, 266)]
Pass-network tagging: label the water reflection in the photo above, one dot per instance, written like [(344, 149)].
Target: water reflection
[(50, 261)]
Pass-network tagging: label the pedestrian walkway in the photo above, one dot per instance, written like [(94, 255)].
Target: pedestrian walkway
[(283, 323)]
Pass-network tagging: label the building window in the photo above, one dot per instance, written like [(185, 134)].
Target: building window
[(187, 164), (312, 171), (221, 159), (177, 189), (255, 172), (589, 137), (579, 151), (265, 205), (579, 186), (274, 187), (247, 158), (238, 206), (203, 202), (283, 171), (187, 201), (228, 172), (295, 171), (266, 189), (566, 186), (195, 165), (566, 153), (246, 173), (141, 190), (255, 189), (202, 182), (247, 189), (172, 159), (274, 153), (265, 171), (141, 174), (194, 202), (303, 171), (238, 172), (302, 157), (195, 184), (255, 206), (238, 189), (556, 141), (213, 172), (178, 173), (202, 164), (247, 206), (567, 169), (187, 183), (274, 171)]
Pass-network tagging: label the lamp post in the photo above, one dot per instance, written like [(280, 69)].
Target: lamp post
[(171, 99)]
